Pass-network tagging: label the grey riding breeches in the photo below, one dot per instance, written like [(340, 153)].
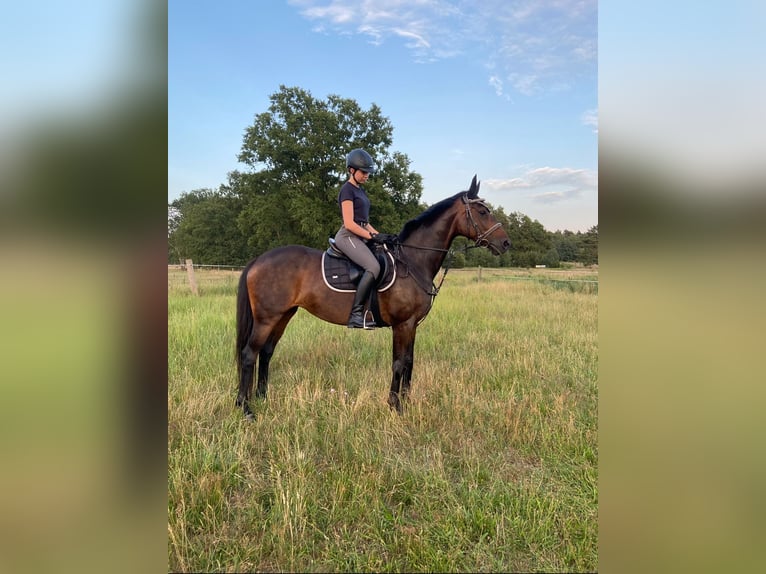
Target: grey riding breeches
[(355, 249)]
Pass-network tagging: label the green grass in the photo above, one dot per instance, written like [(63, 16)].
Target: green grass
[(493, 466)]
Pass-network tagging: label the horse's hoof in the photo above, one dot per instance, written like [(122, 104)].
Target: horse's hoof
[(395, 403), (250, 417)]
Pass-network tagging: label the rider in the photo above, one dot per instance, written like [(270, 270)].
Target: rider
[(350, 239)]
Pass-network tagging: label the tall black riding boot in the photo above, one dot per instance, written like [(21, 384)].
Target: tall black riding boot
[(356, 319)]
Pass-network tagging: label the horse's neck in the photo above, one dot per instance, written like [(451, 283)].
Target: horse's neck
[(433, 242)]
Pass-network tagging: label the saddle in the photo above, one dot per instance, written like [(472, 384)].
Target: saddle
[(342, 275)]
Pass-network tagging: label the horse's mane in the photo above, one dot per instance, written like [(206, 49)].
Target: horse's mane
[(428, 216)]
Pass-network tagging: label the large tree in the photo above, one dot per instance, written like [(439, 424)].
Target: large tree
[(581, 247), (296, 153), (567, 244), (589, 246), (203, 228), (530, 242)]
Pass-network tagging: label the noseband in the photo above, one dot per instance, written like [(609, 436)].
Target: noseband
[(481, 238)]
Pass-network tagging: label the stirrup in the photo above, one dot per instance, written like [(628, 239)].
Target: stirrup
[(368, 326), (365, 325)]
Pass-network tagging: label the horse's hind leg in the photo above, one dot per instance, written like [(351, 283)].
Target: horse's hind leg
[(403, 351), (247, 360), (266, 352), (261, 344)]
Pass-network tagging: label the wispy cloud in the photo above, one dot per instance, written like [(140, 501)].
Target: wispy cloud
[(457, 154), (335, 13), (590, 118), (530, 46), (548, 184), (526, 84), (418, 40), (497, 84)]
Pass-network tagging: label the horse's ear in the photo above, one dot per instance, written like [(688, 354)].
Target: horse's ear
[(473, 191)]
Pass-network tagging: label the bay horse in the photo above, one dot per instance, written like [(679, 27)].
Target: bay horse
[(275, 284)]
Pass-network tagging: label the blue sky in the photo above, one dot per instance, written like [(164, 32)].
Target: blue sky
[(500, 88)]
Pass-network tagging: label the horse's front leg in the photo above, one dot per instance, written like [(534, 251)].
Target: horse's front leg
[(403, 356)]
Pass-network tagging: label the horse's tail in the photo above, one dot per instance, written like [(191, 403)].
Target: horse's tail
[(244, 316)]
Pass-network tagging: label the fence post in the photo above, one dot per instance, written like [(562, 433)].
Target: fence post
[(479, 273), (190, 274)]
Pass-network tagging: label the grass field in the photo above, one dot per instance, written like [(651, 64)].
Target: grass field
[(493, 466)]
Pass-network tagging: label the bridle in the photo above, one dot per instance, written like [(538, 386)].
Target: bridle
[(481, 238), (481, 241)]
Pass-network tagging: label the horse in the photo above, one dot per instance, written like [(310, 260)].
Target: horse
[(275, 284)]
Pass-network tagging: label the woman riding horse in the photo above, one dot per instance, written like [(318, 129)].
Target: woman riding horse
[(355, 212)]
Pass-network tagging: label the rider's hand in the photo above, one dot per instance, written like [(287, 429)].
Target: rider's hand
[(384, 238)]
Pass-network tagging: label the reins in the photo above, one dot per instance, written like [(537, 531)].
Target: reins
[(408, 272), (434, 291), (480, 241)]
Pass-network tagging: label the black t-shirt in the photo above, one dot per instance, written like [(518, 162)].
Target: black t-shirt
[(361, 202)]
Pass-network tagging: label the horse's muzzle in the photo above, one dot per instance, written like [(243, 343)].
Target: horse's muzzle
[(504, 246)]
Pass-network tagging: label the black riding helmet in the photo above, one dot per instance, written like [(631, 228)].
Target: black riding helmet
[(360, 159)]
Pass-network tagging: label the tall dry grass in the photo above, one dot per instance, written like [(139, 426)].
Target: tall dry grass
[(493, 466)]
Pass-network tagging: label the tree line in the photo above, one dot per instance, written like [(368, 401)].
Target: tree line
[(296, 157)]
